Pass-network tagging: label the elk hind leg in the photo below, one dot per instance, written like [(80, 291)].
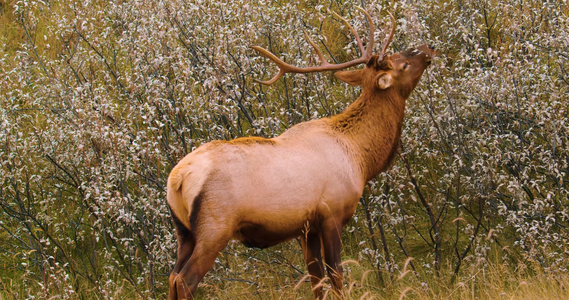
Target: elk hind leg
[(186, 244), (205, 252)]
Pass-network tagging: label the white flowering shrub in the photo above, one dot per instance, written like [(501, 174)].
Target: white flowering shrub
[(99, 100)]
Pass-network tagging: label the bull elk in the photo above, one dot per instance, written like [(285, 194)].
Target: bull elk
[(304, 183)]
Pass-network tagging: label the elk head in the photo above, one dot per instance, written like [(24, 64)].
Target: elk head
[(399, 72)]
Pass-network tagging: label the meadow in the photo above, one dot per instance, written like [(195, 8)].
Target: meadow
[(100, 99)]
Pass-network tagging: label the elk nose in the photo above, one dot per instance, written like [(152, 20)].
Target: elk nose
[(429, 50)]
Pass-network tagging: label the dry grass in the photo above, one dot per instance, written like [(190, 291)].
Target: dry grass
[(485, 281), (491, 281)]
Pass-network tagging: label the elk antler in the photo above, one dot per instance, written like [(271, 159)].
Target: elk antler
[(366, 53), (389, 38)]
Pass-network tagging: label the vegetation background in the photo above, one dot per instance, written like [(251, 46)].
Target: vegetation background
[(100, 99)]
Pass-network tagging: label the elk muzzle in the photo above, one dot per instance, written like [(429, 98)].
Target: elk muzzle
[(429, 50)]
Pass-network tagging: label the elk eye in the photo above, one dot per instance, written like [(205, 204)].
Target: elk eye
[(405, 66)]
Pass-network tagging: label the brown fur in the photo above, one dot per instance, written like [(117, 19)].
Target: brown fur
[(305, 183), (251, 140)]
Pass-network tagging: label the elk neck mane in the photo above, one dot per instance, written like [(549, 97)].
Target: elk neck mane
[(372, 127)]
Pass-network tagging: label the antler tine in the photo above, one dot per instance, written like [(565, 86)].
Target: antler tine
[(354, 32), (369, 48), (283, 67), (320, 56), (390, 35)]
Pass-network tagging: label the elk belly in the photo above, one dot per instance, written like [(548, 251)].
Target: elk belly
[(276, 195)]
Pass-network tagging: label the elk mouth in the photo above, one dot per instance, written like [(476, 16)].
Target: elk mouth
[(429, 52), (428, 49)]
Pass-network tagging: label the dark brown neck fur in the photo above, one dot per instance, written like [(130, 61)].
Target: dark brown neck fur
[(373, 122)]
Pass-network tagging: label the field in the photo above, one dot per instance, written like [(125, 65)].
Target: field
[(100, 99)]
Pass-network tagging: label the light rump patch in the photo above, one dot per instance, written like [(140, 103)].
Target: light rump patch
[(304, 183), (185, 183)]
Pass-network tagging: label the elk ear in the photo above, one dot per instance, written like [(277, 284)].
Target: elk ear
[(350, 77), (384, 81)]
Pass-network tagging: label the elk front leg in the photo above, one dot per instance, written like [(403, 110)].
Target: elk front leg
[(312, 249), (332, 242)]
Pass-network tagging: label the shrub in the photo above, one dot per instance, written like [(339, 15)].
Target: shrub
[(100, 100)]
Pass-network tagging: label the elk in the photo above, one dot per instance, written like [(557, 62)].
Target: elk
[(305, 183)]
